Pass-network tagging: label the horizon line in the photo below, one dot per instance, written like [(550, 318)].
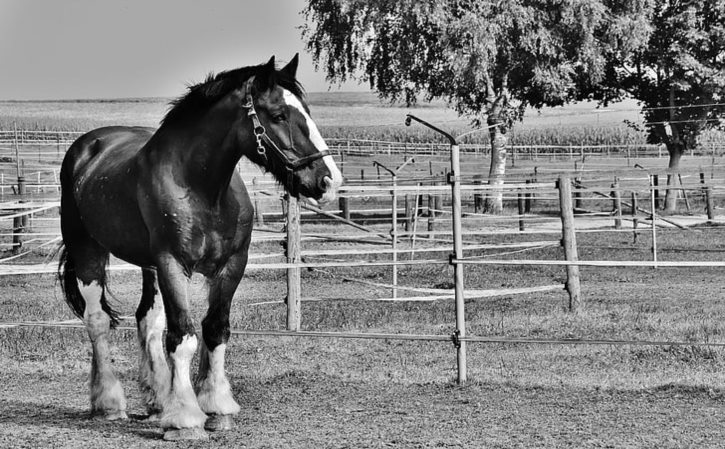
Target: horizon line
[(149, 98)]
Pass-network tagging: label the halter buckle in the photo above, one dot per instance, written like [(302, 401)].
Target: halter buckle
[(261, 150)]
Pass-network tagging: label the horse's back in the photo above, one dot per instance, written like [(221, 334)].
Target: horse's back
[(118, 142), (99, 191)]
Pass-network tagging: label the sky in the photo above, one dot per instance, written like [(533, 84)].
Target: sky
[(87, 49)]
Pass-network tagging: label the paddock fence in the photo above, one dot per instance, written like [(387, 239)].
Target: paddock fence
[(410, 221)]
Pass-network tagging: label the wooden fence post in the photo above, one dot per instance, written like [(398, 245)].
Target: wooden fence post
[(709, 203), (21, 222), (655, 184), (522, 211), (394, 235), (431, 213), (294, 287), (408, 207), (617, 204), (344, 203), (635, 220), (653, 205), (684, 192), (478, 197), (569, 243)]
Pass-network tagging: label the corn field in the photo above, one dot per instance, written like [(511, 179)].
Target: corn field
[(356, 116)]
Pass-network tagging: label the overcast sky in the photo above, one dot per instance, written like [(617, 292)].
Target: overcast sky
[(63, 49)]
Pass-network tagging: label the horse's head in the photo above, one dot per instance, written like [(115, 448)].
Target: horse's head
[(286, 140)]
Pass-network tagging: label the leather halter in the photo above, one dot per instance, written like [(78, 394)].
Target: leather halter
[(260, 134)]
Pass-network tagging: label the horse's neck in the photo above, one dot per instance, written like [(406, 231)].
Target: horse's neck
[(205, 153)]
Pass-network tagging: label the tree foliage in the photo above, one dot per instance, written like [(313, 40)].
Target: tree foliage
[(488, 59), (470, 51), (678, 76)]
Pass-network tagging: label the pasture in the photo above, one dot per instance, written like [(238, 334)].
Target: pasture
[(340, 392)]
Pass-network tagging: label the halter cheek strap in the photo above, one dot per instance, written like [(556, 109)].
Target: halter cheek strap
[(264, 141)]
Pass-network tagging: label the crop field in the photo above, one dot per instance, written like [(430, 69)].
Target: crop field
[(348, 116), (651, 375)]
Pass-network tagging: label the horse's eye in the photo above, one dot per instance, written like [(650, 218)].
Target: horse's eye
[(279, 118)]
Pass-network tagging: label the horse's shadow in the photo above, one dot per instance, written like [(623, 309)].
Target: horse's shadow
[(56, 415)]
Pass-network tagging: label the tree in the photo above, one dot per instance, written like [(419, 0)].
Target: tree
[(489, 59), (678, 77)]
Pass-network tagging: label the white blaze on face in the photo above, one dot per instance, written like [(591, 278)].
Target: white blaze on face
[(334, 181)]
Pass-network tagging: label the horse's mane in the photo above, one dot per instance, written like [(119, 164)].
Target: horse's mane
[(201, 96)]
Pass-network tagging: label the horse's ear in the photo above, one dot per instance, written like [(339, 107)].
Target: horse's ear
[(266, 77), (291, 68)]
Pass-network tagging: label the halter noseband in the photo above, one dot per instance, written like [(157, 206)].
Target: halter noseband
[(260, 134)]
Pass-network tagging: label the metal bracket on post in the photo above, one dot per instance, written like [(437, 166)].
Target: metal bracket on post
[(456, 338)]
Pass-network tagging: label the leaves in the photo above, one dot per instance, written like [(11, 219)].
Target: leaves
[(483, 57), (682, 65)]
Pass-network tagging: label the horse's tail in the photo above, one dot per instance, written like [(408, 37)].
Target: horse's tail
[(74, 233), (69, 284)]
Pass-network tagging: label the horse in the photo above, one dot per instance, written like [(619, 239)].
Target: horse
[(171, 202)]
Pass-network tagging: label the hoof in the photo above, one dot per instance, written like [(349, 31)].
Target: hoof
[(217, 423), (153, 417), (114, 415), (193, 433)]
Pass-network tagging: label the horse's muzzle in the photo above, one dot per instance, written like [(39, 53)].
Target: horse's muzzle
[(330, 187)]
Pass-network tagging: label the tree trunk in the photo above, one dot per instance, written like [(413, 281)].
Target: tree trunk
[(499, 139), (676, 151)]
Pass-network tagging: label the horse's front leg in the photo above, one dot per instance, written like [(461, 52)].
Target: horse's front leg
[(181, 416), (213, 390)]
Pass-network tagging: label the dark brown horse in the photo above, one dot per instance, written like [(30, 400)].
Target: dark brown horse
[(172, 202)]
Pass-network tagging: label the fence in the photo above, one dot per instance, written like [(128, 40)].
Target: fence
[(458, 186), (364, 147)]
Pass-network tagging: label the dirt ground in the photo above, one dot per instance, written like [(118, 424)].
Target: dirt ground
[(302, 410), (377, 396)]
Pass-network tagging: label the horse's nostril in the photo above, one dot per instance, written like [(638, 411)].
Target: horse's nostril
[(326, 184)]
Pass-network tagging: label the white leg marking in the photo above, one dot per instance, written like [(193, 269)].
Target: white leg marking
[(335, 175), (154, 374), (214, 391), (182, 409), (107, 396)]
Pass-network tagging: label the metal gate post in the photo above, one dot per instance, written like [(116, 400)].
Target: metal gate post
[(454, 179)]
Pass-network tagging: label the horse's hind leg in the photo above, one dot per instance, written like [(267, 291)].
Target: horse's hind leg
[(154, 375), (107, 398), (213, 390)]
